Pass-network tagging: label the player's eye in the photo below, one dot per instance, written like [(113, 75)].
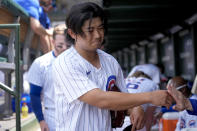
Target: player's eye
[(90, 30), (101, 28)]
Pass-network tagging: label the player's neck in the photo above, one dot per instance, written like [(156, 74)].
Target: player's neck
[(55, 53), (91, 56)]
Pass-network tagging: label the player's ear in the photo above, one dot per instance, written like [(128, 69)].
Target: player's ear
[(72, 34)]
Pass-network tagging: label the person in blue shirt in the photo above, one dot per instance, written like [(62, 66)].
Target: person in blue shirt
[(182, 103), (39, 21)]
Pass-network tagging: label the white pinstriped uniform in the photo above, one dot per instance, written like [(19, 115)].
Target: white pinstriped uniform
[(186, 120), (73, 77), (40, 74)]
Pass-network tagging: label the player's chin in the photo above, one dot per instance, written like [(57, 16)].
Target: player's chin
[(97, 45)]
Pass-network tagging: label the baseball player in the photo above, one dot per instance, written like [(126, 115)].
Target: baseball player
[(185, 120), (39, 77), (182, 103), (83, 74)]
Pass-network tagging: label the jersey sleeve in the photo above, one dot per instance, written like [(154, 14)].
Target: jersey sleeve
[(193, 103), (33, 12), (35, 94), (35, 74), (71, 80)]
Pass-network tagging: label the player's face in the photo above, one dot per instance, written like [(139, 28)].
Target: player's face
[(47, 5), (93, 35), (59, 44)]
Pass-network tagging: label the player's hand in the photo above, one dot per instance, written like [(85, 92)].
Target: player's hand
[(50, 31), (182, 102), (137, 117), (44, 126), (161, 98)]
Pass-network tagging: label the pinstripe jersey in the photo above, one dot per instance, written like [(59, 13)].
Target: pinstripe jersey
[(40, 74), (74, 76)]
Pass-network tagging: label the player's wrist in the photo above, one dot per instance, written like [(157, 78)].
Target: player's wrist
[(129, 111), (42, 121), (188, 105)]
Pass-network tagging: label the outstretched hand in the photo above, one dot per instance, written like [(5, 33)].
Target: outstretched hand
[(182, 102), (161, 98), (137, 118)]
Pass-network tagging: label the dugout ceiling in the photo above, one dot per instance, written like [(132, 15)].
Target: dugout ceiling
[(132, 21)]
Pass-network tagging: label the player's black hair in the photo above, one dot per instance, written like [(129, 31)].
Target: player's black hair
[(79, 13)]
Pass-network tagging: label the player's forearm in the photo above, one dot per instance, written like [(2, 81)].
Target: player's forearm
[(37, 108), (35, 92), (115, 100), (123, 101), (191, 106), (188, 105), (37, 27)]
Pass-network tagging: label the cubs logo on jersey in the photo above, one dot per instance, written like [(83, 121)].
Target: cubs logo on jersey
[(192, 123), (110, 82)]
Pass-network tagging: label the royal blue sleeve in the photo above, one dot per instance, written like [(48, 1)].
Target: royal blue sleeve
[(35, 93), (194, 106), (164, 109)]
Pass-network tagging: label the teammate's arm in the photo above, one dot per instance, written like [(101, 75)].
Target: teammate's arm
[(38, 28), (137, 117), (35, 93), (192, 108), (122, 101)]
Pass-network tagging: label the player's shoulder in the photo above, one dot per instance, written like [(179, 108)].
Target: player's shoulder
[(67, 57), (44, 58), (105, 55)]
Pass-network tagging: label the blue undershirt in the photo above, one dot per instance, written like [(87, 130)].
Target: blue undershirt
[(35, 94), (194, 106)]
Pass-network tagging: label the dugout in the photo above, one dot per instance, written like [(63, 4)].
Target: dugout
[(154, 32)]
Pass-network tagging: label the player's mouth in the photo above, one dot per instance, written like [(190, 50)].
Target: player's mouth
[(59, 46), (98, 41)]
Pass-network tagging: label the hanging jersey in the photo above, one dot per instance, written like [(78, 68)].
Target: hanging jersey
[(151, 70)]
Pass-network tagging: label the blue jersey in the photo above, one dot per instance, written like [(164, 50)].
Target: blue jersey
[(44, 19), (31, 6), (34, 10)]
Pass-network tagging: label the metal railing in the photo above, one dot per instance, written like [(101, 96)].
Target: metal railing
[(15, 93)]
